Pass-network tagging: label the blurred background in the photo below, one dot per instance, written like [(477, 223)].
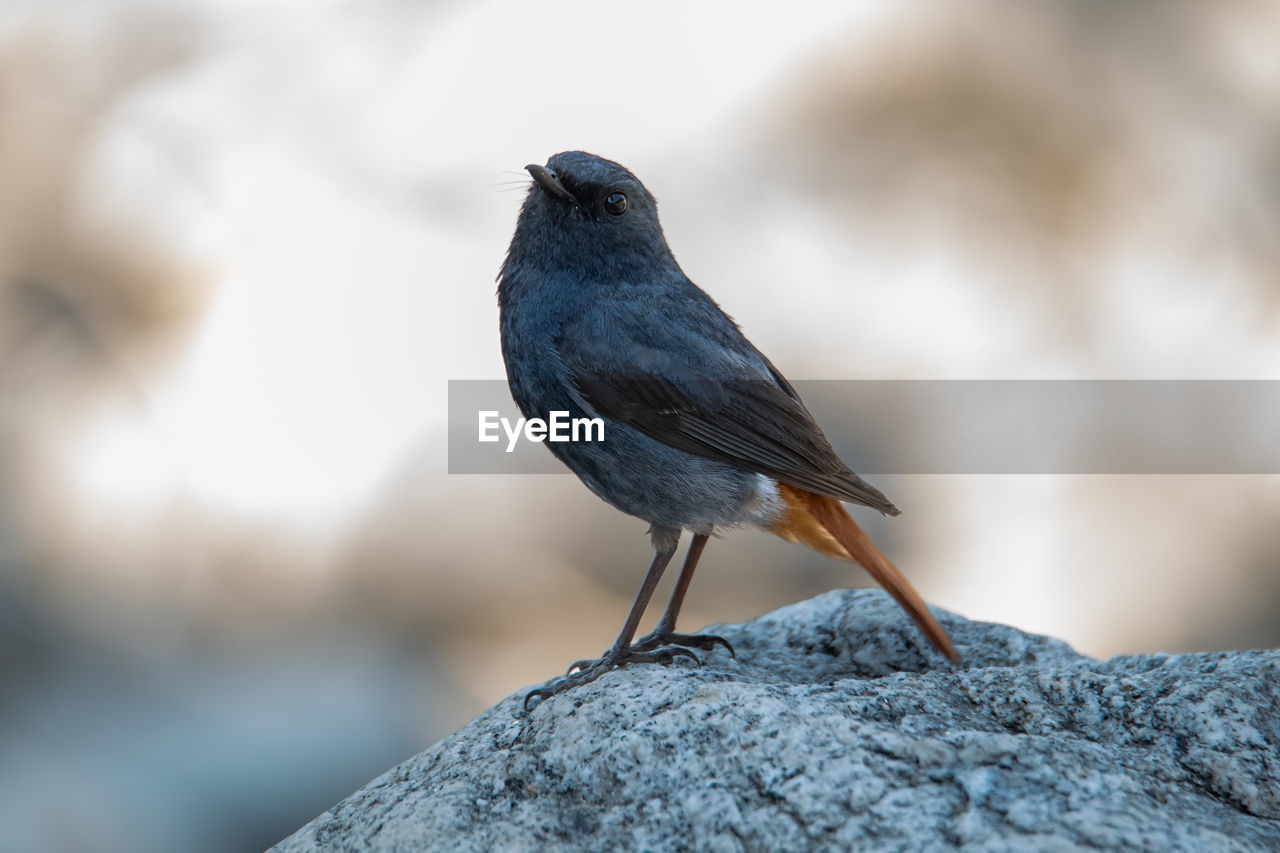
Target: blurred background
[(244, 246)]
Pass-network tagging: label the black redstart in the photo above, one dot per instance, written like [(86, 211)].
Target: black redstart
[(701, 430)]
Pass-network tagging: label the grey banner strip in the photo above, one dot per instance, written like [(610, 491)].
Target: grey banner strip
[(976, 427)]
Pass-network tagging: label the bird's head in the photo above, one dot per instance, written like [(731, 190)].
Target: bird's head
[(589, 215)]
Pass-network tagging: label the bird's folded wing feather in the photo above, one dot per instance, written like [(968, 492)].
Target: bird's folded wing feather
[(733, 407)]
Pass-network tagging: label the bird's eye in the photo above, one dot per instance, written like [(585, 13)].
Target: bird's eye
[(615, 203)]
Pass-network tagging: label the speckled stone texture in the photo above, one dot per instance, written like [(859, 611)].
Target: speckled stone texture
[(837, 728)]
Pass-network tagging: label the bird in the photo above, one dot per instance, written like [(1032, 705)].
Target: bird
[(701, 431)]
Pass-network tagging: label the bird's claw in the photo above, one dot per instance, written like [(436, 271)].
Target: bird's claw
[(585, 671), (579, 664), (660, 639)]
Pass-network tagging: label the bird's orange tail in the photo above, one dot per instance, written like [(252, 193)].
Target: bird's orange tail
[(823, 524)]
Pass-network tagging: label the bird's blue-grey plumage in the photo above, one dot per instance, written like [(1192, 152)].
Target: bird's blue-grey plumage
[(598, 320)]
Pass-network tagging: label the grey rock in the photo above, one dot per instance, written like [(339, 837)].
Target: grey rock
[(837, 728)]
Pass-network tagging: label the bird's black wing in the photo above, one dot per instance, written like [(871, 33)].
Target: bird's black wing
[(745, 419)]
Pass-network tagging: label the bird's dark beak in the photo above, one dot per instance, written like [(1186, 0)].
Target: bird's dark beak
[(547, 180)]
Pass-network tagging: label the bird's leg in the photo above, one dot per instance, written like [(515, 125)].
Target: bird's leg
[(665, 632), (622, 652)]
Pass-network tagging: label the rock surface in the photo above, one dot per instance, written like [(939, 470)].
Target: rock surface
[(837, 728)]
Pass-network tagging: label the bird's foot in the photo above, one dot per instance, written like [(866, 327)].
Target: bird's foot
[(659, 638), (585, 671)]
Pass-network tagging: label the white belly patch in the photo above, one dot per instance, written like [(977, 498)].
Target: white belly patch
[(765, 506)]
